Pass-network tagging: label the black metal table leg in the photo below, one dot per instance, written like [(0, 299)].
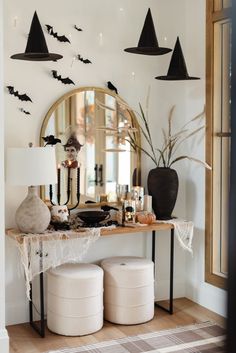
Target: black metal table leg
[(40, 329), (170, 309)]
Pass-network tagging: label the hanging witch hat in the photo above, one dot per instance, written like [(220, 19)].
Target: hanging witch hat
[(177, 69), (148, 44), (36, 48)]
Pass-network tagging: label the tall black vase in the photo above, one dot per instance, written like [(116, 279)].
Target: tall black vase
[(163, 184)]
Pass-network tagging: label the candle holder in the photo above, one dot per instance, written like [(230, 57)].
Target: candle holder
[(68, 191)]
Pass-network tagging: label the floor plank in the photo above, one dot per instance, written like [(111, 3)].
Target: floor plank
[(23, 339)]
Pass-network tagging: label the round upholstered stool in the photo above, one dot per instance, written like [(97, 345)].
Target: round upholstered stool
[(75, 299), (128, 290)]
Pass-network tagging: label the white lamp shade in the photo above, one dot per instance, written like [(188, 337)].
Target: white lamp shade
[(31, 166)]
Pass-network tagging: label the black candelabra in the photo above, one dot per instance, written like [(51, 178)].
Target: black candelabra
[(68, 191)]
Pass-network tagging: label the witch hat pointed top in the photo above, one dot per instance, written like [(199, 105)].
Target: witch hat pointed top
[(177, 69), (36, 48), (148, 43)]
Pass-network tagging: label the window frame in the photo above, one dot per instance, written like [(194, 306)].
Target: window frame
[(212, 16)]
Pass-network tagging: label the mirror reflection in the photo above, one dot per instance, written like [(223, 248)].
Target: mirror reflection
[(90, 128)]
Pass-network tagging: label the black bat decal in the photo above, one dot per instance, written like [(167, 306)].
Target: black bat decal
[(85, 61), (66, 80), (55, 34), (51, 140), (22, 97), (78, 29), (24, 111)]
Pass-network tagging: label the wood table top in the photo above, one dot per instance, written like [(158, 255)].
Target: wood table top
[(65, 235)]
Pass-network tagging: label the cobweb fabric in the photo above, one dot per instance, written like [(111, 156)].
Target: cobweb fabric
[(39, 252), (183, 232)]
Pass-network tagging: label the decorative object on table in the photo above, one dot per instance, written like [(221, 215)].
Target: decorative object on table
[(137, 193), (22, 97), (109, 208), (121, 191), (147, 203), (59, 213), (148, 43), (22, 110), (85, 61), (93, 217), (163, 180), (60, 38), (32, 166), (103, 198), (112, 87), (192, 338), (129, 208), (146, 217), (65, 80), (177, 70), (36, 48), (51, 140), (78, 28), (72, 168)]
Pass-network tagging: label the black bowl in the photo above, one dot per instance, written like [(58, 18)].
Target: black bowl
[(91, 217)]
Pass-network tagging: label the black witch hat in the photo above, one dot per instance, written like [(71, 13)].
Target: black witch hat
[(36, 48), (148, 44), (177, 69)]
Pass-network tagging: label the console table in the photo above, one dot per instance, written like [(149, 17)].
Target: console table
[(67, 235)]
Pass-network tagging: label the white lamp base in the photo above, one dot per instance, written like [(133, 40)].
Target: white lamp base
[(32, 216)]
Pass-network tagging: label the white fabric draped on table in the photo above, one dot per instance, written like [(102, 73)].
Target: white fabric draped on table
[(39, 252)]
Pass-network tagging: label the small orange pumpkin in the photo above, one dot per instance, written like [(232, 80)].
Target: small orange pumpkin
[(146, 218)]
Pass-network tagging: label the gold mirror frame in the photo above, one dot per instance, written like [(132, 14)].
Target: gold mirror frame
[(132, 118)]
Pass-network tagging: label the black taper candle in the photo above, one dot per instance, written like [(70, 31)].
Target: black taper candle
[(68, 185), (51, 194), (78, 184), (58, 185)]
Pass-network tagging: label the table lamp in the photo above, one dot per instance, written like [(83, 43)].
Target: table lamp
[(31, 167)]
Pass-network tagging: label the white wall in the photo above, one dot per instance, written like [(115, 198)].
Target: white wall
[(121, 29), (196, 288), (4, 342)]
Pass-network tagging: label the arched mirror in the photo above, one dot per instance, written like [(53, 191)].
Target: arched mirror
[(92, 130)]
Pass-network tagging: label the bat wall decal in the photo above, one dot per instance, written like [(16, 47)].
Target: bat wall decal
[(78, 29), (24, 111), (22, 97), (51, 140), (62, 38), (66, 80), (85, 61)]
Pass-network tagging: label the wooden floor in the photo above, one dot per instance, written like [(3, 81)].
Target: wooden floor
[(24, 340)]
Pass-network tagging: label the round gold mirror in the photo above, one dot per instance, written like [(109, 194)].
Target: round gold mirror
[(92, 130)]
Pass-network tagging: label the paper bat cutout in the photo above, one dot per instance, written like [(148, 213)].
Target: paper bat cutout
[(24, 111), (78, 29), (51, 140), (66, 80), (22, 97), (55, 35), (85, 61)]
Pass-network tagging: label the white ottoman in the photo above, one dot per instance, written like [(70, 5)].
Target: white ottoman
[(128, 290), (75, 299)]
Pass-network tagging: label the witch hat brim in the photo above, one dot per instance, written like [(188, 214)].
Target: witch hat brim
[(177, 69), (36, 48), (148, 44)]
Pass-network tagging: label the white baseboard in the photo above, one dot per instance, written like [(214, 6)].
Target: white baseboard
[(4, 341)]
